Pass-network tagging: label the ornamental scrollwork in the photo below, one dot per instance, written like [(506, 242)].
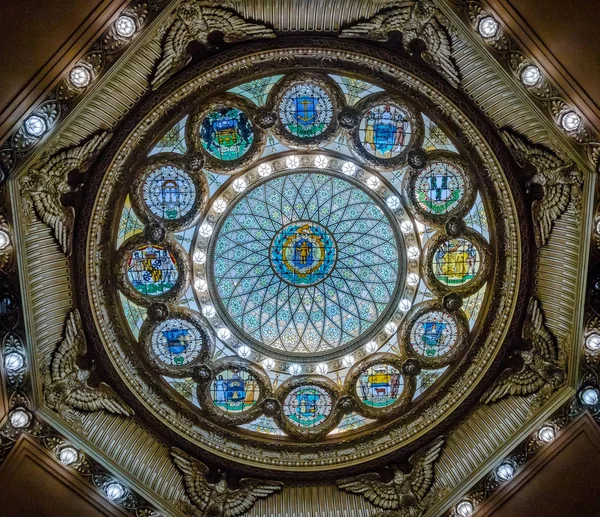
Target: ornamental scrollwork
[(195, 21), (544, 365), (560, 181), (217, 499), (44, 186), (66, 385), (406, 495), (419, 20)]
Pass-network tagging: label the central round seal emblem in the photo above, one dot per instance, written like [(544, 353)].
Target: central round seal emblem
[(303, 253)]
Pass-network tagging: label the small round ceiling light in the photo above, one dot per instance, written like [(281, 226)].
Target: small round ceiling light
[(546, 434), (570, 121), (208, 311), (371, 347), (114, 491), (68, 455), (404, 305), (589, 396), (80, 76), (205, 230), (531, 75), (220, 205), (347, 361), (348, 168), (390, 328), (373, 183), (292, 162), (240, 184), (488, 27), (35, 126), (412, 279), (199, 257), (505, 471), (269, 363), (592, 342), (20, 418), (295, 369), (322, 368), (4, 240), (224, 333), (13, 362), (464, 509), (125, 26), (413, 253), (321, 161), (244, 351), (393, 202), (264, 170)]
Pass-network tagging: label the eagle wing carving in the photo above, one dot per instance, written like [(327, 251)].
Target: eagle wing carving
[(379, 26), (423, 462), (241, 500), (370, 486), (194, 473)]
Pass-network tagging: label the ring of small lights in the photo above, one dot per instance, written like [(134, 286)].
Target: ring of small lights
[(319, 430), (276, 96), (392, 410), (192, 133), (264, 391), (416, 136), (180, 313), (463, 206), (183, 162), (183, 269), (462, 334), (485, 259)]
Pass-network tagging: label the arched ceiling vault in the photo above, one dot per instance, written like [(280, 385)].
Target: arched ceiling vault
[(536, 157)]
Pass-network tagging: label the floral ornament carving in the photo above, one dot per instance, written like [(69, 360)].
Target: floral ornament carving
[(43, 188), (195, 21), (217, 499), (544, 365), (422, 21), (406, 495), (66, 385), (6, 248)]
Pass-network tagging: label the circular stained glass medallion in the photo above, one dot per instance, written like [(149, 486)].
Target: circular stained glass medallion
[(439, 187), (379, 385), (152, 270), (385, 130), (226, 133), (433, 334), (303, 253), (313, 286), (169, 192), (177, 342), (234, 390), (307, 406), (305, 110), (456, 262)]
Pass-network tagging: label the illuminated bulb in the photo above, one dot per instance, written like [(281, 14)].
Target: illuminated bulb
[(570, 121), (373, 183), (240, 184), (390, 328), (546, 434), (294, 369), (406, 227), (19, 418), (348, 360), (224, 333), (505, 471), (269, 363), (208, 311), (348, 168), (412, 279), (80, 76), (68, 455), (393, 202), (4, 240), (244, 351), (413, 253), (488, 27), (199, 257), (13, 362), (464, 509), (404, 305), (201, 284), (322, 368), (371, 347), (589, 396), (321, 161), (114, 491), (125, 26), (598, 227), (220, 205), (205, 230), (531, 75), (264, 169), (35, 126), (292, 162), (592, 342)]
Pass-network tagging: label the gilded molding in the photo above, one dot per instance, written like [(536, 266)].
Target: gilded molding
[(6, 248)]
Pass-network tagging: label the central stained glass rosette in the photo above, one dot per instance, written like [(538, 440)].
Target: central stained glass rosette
[(306, 265)]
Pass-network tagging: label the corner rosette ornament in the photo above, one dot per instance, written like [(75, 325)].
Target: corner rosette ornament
[(406, 495)]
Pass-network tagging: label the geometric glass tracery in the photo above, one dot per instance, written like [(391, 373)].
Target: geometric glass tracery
[(456, 262), (433, 334), (152, 270), (384, 130), (380, 385), (306, 110), (177, 342), (307, 406), (439, 187), (169, 192), (226, 133)]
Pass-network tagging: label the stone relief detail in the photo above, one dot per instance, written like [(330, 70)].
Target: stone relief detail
[(406, 495), (195, 21), (44, 186), (560, 181), (66, 388), (6, 248), (544, 365), (217, 499), (422, 21)]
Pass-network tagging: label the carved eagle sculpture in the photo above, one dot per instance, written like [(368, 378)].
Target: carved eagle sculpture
[(194, 21), (217, 499), (405, 494), (65, 384), (44, 187), (418, 20), (543, 369), (560, 182)]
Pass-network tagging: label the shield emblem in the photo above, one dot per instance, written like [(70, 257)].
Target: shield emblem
[(432, 333), (438, 188), (306, 110), (385, 136), (176, 340), (226, 131)]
